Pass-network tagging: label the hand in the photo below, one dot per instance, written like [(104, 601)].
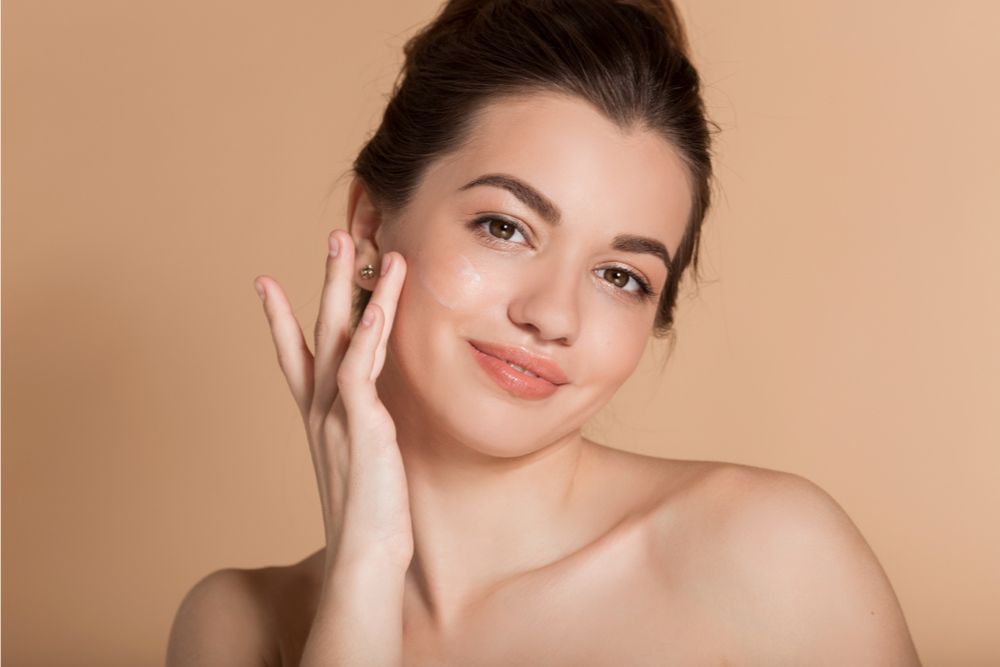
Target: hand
[(352, 437)]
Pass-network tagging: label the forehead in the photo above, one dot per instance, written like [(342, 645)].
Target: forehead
[(591, 169)]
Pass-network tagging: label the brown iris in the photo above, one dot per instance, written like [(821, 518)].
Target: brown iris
[(620, 277), (508, 228)]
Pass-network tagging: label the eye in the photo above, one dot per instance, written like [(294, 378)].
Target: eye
[(497, 232), (498, 229), (620, 278)]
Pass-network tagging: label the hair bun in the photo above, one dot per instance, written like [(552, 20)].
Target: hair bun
[(669, 17), (665, 12)]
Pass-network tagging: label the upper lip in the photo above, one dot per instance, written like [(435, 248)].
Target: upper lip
[(540, 366)]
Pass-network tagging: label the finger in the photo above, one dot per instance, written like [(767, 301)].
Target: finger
[(354, 377), (294, 357), (386, 295), (333, 322)]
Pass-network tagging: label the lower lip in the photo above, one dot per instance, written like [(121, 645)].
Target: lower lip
[(511, 379)]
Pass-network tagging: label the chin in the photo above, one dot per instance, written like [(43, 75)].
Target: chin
[(433, 385)]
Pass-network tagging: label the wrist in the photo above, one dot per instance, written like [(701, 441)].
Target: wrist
[(366, 563), (365, 577)]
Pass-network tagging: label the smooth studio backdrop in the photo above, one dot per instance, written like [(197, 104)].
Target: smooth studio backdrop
[(157, 156)]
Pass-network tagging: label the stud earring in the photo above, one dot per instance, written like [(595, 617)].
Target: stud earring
[(367, 272)]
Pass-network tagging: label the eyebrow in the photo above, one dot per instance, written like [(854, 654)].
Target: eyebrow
[(550, 213)]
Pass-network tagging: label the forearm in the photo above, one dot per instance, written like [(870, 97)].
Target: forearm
[(359, 620)]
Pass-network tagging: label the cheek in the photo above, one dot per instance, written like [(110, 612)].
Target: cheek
[(620, 353), (452, 282)]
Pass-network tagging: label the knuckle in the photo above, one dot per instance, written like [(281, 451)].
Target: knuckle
[(316, 419), (346, 377), (332, 427), (315, 413), (322, 330), (284, 359)]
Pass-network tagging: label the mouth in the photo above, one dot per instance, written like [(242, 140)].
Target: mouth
[(522, 384), (528, 364)]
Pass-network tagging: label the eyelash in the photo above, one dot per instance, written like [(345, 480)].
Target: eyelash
[(645, 292)]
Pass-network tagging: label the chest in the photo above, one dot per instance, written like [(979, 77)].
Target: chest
[(585, 619), (612, 610)]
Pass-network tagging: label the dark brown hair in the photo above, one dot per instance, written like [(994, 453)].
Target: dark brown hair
[(629, 59)]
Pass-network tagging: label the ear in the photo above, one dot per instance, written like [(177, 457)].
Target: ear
[(364, 221)]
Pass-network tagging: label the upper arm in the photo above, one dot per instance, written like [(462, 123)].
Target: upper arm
[(818, 593), (223, 620)]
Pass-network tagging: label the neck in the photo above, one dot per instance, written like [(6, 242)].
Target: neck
[(480, 520)]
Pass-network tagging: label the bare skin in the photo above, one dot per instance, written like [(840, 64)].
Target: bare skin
[(532, 545), (649, 589)]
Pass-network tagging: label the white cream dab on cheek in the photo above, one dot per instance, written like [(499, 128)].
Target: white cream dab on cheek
[(469, 272), (464, 279)]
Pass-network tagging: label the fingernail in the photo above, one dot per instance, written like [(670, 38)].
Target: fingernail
[(334, 245), (386, 261), (260, 291), (368, 316)]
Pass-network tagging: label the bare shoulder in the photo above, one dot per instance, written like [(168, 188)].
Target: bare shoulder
[(794, 571), (230, 617), (767, 517)]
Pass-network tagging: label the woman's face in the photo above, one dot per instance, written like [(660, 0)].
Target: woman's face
[(531, 266)]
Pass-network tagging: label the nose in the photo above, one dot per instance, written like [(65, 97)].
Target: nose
[(548, 303)]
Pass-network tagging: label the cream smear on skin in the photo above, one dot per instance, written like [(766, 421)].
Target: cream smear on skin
[(465, 281)]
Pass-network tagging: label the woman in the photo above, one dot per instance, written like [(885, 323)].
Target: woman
[(532, 197)]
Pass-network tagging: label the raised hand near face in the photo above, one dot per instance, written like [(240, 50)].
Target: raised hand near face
[(351, 434)]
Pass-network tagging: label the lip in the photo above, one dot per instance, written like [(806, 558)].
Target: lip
[(510, 379), (545, 369)]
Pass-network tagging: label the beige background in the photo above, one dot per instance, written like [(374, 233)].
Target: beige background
[(157, 156)]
